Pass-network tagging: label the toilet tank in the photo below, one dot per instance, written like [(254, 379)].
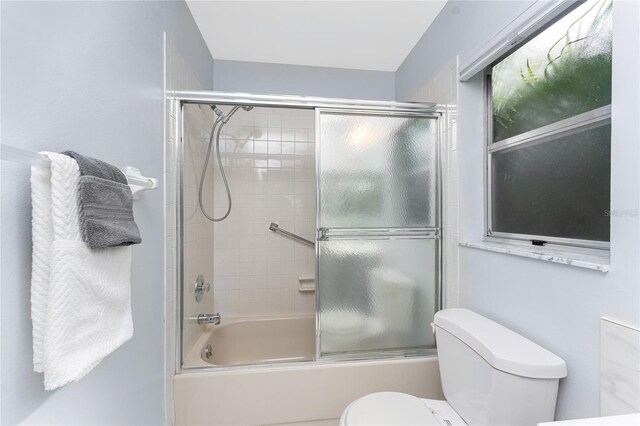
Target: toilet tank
[(493, 376)]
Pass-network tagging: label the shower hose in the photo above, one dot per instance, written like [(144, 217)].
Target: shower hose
[(204, 172)]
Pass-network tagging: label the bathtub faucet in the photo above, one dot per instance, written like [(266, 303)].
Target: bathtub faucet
[(209, 319)]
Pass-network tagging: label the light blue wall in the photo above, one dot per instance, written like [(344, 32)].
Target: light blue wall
[(88, 76), (557, 306), (278, 79), (461, 27)]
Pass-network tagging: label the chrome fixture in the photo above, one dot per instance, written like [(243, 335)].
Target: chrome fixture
[(225, 118), (201, 288), (208, 319), (275, 228), (206, 352), (222, 118)]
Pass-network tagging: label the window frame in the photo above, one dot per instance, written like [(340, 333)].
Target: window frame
[(597, 117)]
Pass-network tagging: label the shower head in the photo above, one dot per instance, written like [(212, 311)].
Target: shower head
[(225, 117), (218, 112)]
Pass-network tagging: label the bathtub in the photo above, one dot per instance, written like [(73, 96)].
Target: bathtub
[(295, 392), (247, 341), (250, 379)]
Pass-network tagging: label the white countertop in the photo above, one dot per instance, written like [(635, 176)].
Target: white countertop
[(623, 420)]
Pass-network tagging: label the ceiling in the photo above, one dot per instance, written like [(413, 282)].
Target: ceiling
[(365, 35)]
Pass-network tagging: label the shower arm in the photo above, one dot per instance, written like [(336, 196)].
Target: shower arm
[(275, 228)]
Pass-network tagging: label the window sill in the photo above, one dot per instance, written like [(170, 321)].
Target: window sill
[(598, 262)]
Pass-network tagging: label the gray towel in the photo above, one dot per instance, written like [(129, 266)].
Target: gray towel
[(106, 204), (92, 167)]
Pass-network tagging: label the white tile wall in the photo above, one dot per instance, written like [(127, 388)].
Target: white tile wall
[(269, 160), (443, 89)]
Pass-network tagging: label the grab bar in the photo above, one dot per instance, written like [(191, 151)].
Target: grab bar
[(275, 228)]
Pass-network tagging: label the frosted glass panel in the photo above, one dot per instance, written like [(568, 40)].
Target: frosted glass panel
[(377, 294), (556, 188), (377, 171)]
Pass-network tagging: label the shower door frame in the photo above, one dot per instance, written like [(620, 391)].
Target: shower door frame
[(177, 99)]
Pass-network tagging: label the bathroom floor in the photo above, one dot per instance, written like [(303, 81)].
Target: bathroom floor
[(327, 422)]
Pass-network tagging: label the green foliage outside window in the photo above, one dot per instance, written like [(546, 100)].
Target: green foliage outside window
[(562, 72)]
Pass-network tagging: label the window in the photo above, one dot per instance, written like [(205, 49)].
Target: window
[(550, 133)]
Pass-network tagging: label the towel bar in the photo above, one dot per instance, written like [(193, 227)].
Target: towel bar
[(136, 181)]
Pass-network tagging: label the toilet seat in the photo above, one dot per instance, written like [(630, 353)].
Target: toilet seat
[(395, 408)]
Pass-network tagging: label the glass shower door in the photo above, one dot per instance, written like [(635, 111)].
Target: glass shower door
[(378, 231)]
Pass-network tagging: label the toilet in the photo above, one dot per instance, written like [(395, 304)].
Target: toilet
[(393, 295), (490, 376)]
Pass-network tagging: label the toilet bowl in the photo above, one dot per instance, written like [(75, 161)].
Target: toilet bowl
[(490, 376), (387, 408)]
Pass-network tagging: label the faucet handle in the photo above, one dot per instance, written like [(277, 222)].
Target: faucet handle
[(201, 288)]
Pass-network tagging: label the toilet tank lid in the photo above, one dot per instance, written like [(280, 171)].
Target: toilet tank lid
[(502, 348)]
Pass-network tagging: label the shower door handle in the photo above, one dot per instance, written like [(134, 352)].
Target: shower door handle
[(326, 234)]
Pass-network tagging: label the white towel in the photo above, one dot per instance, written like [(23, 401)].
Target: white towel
[(80, 298)]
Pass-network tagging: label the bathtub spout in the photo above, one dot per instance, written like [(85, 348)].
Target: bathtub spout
[(209, 319)]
